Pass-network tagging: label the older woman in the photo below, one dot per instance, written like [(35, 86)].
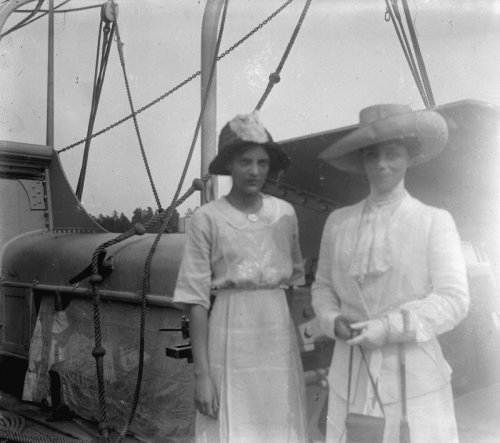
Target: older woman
[(249, 385), (391, 277)]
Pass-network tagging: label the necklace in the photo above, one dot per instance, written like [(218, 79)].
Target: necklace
[(252, 216)]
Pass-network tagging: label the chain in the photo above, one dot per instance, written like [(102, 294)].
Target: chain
[(183, 83)]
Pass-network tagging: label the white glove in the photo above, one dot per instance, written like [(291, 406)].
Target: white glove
[(373, 333)]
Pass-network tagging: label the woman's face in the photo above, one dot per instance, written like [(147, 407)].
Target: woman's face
[(249, 170), (385, 165)]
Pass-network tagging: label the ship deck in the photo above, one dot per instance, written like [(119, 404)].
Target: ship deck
[(478, 418)]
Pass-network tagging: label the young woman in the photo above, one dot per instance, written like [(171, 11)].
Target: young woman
[(391, 277), (249, 384)]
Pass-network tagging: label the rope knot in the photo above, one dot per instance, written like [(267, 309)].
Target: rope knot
[(274, 77), (98, 351), (197, 184), (139, 229)]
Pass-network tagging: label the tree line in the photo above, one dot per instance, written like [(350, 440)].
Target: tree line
[(121, 223)]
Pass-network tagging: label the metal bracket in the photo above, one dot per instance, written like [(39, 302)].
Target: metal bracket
[(36, 193)]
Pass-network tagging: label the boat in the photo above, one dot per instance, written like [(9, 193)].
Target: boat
[(91, 346)]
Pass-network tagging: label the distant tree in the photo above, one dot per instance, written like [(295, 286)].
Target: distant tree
[(120, 223), (114, 222)]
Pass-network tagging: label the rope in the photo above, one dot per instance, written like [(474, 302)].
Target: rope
[(99, 73), (417, 68), (204, 102), (275, 76), (23, 438), (22, 22), (395, 16), (170, 210), (184, 82), (16, 27), (12, 426), (136, 125), (64, 11), (418, 54)]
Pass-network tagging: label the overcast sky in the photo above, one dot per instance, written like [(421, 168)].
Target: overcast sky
[(345, 58)]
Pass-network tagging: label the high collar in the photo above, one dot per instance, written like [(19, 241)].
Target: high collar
[(396, 195)]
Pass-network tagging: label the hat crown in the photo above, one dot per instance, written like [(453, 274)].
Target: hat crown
[(371, 114), (244, 128)]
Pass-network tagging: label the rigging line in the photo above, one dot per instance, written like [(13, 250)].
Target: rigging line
[(119, 45), (21, 23), (400, 32), (14, 28), (184, 82), (168, 214), (405, 45), (98, 83), (275, 76), (418, 54), (204, 102), (83, 8)]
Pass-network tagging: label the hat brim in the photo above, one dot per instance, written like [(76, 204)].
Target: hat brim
[(278, 158), (426, 126)]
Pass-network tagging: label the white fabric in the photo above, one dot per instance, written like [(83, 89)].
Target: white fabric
[(253, 352), (226, 250), (372, 254), (431, 418), (427, 280)]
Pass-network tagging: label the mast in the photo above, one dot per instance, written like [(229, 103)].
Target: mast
[(50, 79), (209, 119)]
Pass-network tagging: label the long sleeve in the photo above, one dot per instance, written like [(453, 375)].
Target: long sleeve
[(325, 301), (447, 301)]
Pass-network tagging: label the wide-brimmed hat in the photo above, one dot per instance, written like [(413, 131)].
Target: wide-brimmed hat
[(424, 133), (245, 130)]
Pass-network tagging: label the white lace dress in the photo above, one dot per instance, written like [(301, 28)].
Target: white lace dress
[(253, 352)]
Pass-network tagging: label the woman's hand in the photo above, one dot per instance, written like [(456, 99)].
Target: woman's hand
[(343, 328), (206, 399), (371, 333)]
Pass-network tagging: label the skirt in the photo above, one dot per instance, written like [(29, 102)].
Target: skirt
[(255, 364)]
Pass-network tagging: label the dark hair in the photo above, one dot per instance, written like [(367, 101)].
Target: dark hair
[(275, 160)]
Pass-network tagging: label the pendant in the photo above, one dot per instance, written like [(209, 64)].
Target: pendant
[(252, 217)]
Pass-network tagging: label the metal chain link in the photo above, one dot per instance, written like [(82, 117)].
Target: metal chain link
[(183, 83)]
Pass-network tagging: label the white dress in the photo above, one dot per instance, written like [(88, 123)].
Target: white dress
[(253, 352)]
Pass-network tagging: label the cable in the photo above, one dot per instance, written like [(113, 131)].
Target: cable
[(275, 76), (184, 82), (16, 27)]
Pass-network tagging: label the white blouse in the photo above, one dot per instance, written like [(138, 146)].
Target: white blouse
[(226, 249)]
